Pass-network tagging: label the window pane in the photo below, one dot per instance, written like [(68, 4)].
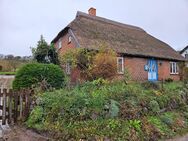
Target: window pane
[(120, 65), (69, 39), (171, 67), (174, 67), (59, 44), (177, 69)]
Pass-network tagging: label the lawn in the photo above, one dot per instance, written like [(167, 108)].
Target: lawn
[(7, 73)]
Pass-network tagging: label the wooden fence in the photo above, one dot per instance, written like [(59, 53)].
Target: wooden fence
[(14, 105)]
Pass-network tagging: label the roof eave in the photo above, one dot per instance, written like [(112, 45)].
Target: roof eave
[(146, 56), (60, 34)]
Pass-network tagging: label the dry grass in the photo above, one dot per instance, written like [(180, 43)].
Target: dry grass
[(10, 65)]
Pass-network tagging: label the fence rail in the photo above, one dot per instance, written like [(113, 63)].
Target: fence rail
[(14, 105)]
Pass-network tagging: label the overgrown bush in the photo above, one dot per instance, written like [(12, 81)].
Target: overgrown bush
[(92, 64), (104, 64), (39, 75), (101, 110), (154, 106)]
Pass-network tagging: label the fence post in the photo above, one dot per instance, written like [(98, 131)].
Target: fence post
[(21, 103), (15, 106), (26, 110), (4, 107), (10, 106)]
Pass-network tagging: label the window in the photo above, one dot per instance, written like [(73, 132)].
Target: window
[(59, 44), (173, 68), (68, 68), (120, 65), (69, 39)]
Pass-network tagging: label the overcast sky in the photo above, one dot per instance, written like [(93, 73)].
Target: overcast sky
[(23, 21)]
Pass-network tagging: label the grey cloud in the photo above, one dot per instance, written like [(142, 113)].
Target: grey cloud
[(22, 21)]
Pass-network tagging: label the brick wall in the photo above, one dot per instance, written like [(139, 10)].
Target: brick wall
[(135, 66), (164, 71), (65, 44), (74, 76)]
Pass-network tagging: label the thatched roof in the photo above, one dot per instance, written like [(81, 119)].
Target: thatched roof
[(91, 31)]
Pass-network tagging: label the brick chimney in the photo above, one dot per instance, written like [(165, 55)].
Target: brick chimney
[(92, 11)]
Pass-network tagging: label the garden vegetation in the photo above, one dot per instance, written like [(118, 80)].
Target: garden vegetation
[(103, 110), (46, 76)]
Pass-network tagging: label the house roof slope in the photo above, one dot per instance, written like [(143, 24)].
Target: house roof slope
[(91, 31), (184, 49)]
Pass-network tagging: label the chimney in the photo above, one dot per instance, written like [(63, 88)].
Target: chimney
[(92, 11)]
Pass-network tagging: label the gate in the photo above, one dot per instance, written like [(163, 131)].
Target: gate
[(14, 105)]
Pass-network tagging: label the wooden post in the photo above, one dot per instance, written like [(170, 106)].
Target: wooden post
[(1, 103), (26, 111), (21, 103), (4, 107), (15, 106), (10, 107)]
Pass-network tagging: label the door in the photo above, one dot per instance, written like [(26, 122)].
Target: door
[(152, 70)]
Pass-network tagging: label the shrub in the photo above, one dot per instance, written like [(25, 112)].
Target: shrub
[(168, 120), (163, 128), (154, 106), (104, 65), (35, 74), (92, 64), (35, 119)]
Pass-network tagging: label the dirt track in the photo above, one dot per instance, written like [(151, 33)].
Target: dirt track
[(22, 134), (6, 81)]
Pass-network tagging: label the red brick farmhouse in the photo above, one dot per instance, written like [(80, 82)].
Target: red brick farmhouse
[(145, 57)]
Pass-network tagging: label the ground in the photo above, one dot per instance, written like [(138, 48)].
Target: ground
[(184, 138), (18, 133), (6, 81)]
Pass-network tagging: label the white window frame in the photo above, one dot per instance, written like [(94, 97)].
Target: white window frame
[(174, 68), (68, 68), (69, 39), (122, 65), (59, 44)]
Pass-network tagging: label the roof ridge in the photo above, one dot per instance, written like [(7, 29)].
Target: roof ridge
[(79, 13)]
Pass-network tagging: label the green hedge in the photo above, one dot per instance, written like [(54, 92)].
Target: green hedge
[(32, 75)]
